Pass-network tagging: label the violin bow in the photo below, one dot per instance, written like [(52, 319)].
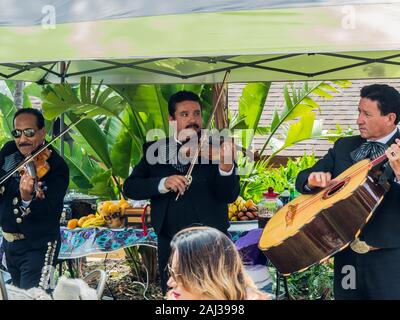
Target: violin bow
[(33, 155), (188, 175)]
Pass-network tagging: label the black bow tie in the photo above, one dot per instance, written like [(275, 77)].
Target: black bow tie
[(169, 154), (369, 149)]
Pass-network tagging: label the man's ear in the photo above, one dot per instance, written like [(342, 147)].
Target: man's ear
[(170, 118), (392, 118), (42, 132)]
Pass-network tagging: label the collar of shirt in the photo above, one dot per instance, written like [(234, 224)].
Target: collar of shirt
[(176, 139), (385, 139)]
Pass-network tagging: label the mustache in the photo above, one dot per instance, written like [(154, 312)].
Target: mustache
[(24, 145), (192, 125)]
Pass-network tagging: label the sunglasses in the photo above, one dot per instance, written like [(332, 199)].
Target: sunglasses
[(29, 132), (115, 215), (171, 272)]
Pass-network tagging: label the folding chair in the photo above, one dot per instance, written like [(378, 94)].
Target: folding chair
[(3, 290), (97, 280)]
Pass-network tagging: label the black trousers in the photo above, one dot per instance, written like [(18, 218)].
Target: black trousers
[(25, 263), (163, 251), (374, 275)]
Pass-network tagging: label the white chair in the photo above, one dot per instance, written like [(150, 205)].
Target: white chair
[(3, 290), (97, 280), (91, 287)]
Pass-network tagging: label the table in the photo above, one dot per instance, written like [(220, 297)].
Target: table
[(78, 243)]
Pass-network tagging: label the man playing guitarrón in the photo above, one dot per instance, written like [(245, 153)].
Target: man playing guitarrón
[(370, 267)]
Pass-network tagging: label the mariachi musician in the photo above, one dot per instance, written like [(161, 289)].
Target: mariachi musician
[(30, 208), (370, 267), (161, 176)]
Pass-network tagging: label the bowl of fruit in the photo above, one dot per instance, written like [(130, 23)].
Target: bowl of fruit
[(242, 210)]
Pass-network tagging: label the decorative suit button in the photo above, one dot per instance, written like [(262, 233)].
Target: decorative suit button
[(19, 220), (2, 189), (16, 211), (15, 201)]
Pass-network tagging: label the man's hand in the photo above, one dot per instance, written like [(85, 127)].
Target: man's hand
[(227, 156), (26, 187), (393, 154), (320, 180), (176, 183)]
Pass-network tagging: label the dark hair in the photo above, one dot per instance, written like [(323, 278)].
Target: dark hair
[(35, 112), (181, 96), (388, 98)]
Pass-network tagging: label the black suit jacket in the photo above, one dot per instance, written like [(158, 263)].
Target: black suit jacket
[(205, 202), (42, 223), (383, 229)]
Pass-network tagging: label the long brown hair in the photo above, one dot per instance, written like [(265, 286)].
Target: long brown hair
[(207, 262)]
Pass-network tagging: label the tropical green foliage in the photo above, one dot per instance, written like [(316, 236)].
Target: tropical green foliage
[(251, 106), (314, 283), (278, 178), (300, 104), (3, 136), (8, 108)]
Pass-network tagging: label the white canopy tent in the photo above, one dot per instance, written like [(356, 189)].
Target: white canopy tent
[(178, 41)]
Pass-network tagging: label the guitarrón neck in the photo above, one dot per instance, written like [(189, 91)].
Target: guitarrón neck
[(378, 160)]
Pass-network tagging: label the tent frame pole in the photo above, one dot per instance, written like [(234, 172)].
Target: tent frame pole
[(63, 72)]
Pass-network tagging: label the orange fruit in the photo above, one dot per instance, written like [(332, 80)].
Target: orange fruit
[(72, 224)]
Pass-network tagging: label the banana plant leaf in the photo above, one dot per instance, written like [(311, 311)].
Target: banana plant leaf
[(206, 97), (92, 138), (121, 154), (61, 98), (8, 110), (103, 185), (251, 105), (79, 168), (298, 103), (148, 99)]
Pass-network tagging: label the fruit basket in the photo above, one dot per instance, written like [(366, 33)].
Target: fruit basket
[(108, 214), (242, 210)]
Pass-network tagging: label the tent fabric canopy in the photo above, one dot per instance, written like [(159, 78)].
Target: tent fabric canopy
[(121, 42)]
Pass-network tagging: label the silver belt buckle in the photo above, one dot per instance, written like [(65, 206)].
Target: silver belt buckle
[(359, 246), (8, 236)]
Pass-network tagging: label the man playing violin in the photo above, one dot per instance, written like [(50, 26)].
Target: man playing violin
[(370, 267), (160, 176), (30, 210)]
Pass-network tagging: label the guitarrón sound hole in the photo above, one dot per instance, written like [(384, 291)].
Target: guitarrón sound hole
[(336, 188)]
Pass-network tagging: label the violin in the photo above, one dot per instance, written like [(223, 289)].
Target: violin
[(210, 151), (37, 168)]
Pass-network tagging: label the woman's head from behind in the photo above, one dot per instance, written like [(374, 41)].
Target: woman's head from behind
[(205, 264)]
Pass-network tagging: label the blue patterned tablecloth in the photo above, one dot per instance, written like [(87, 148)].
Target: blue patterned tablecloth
[(77, 243)]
